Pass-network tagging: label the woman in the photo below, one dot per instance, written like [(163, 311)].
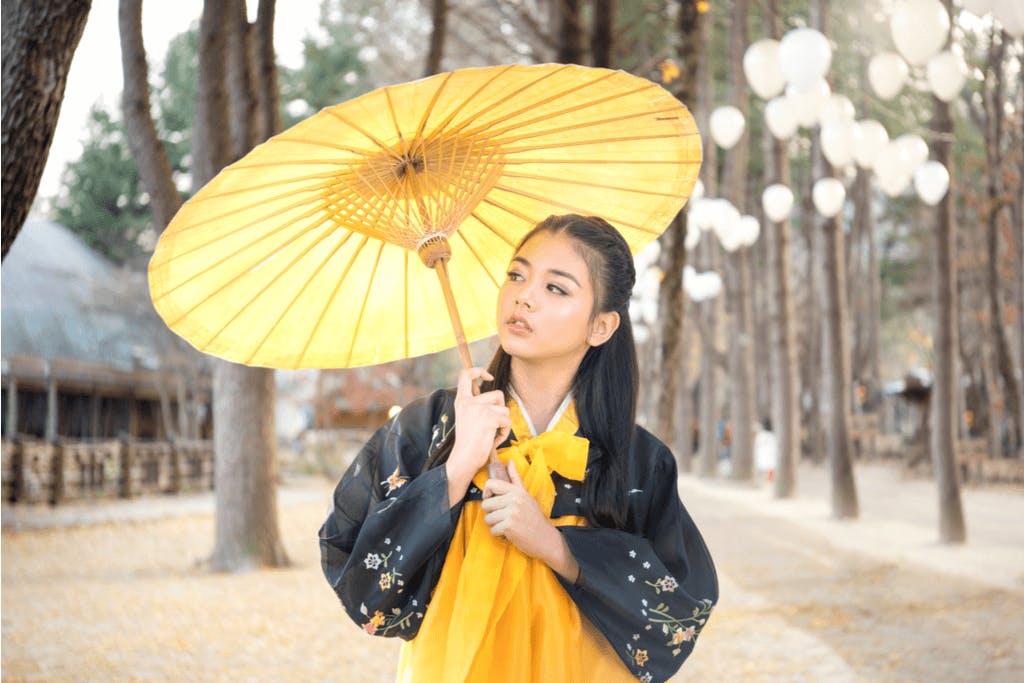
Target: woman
[(584, 565)]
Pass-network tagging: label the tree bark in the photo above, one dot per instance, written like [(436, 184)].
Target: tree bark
[(672, 304), (943, 399), (785, 389), (710, 310), (602, 46), (247, 533), (241, 95), (570, 37), (39, 40), (835, 345), (994, 146), (741, 348), (268, 111), (147, 150), (439, 18)]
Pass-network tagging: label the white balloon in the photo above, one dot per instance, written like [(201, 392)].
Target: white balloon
[(837, 143), (887, 74), (727, 224), (777, 200), (710, 284), (919, 29), (828, 195), (702, 213), (749, 230), (641, 333), (1010, 14), (762, 69), (947, 74), (805, 56), (869, 137), (698, 190), (780, 117), (727, 126), (892, 168), (807, 103), (931, 181), (836, 108), (915, 149)]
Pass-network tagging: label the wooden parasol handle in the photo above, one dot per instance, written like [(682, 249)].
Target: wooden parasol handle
[(495, 468)]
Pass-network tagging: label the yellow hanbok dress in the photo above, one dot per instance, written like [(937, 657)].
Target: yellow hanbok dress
[(498, 614), (471, 606)]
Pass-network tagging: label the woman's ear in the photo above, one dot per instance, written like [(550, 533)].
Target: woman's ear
[(603, 327)]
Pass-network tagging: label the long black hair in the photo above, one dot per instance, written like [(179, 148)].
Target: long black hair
[(606, 382)]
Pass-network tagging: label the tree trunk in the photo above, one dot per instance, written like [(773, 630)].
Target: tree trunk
[(39, 40), (710, 310), (602, 47), (943, 399), (439, 19), (741, 349), (569, 36), (996, 189), (241, 95), (1018, 220), (147, 150), (268, 111), (672, 304), (245, 472), (785, 388)]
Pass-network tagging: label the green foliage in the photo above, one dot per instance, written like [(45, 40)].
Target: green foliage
[(174, 97), (331, 71), (102, 199)]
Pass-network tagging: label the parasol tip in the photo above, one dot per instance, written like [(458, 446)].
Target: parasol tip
[(434, 248)]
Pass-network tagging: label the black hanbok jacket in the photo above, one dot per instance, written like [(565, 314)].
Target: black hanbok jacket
[(650, 586)]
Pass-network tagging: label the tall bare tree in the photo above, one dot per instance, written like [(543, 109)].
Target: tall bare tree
[(835, 348), (785, 409), (439, 19), (741, 345), (672, 303), (569, 36), (709, 312), (943, 412), (39, 40), (602, 45), (148, 152)]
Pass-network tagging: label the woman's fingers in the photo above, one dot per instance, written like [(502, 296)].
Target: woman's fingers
[(466, 378)]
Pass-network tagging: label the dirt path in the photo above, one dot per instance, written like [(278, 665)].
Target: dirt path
[(128, 600)]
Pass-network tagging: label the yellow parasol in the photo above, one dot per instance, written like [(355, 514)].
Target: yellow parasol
[(306, 252)]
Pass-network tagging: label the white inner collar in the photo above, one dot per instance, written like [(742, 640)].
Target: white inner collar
[(529, 423)]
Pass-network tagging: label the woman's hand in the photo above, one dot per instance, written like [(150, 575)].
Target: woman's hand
[(482, 421), (514, 514)]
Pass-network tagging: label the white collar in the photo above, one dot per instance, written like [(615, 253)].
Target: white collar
[(529, 423)]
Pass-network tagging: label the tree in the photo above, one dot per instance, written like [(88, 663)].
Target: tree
[(672, 302), (149, 154), (39, 40), (835, 348), (741, 347), (569, 37), (944, 388), (439, 21), (602, 44), (786, 410)]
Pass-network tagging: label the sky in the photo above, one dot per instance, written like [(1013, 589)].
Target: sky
[(95, 73)]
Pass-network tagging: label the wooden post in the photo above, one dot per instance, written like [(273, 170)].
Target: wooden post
[(51, 407), (11, 419), (127, 455)]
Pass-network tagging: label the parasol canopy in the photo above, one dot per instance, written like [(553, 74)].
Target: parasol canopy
[(309, 251)]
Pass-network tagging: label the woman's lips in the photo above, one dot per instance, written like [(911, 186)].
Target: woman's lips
[(517, 325)]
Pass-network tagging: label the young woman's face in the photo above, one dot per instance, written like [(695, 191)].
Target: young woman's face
[(546, 302)]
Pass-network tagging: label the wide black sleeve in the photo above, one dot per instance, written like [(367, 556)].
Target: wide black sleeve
[(384, 542), (649, 589)]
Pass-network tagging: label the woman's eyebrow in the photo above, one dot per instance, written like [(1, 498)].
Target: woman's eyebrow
[(553, 271)]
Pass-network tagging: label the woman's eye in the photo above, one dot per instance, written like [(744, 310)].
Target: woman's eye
[(556, 289), (513, 275)]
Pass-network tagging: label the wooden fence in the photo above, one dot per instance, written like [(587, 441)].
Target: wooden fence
[(41, 472)]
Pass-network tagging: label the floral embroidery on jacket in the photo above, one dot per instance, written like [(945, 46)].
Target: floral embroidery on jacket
[(380, 623), (666, 583), (395, 481), (684, 629)]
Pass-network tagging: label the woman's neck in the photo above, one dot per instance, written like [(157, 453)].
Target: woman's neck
[(541, 388)]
